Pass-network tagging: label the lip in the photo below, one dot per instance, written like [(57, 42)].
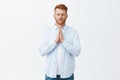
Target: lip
[(60, 19)]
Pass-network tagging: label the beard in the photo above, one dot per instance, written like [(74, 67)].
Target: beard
[(60, 21)]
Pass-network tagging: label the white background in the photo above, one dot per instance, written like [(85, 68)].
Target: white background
[(98, 25)]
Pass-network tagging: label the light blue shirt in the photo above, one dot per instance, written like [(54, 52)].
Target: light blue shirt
[(71, 49)]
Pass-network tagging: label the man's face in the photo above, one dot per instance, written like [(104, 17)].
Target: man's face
[(60, 16)]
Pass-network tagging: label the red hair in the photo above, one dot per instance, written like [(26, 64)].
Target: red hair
[(61, 6)]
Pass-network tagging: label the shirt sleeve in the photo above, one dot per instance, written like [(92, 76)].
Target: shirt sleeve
[(46, 46), (73, 48)]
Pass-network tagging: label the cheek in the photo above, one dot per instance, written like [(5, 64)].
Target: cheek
[(64, 17), (56, 17)]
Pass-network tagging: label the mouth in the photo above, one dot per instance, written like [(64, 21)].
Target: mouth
[(60, 19)]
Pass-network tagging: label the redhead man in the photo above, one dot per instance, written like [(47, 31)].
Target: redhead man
[(60, 44)]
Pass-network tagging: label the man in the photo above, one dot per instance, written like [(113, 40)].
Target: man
[(61, 45)]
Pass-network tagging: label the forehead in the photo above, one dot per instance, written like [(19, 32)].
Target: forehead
[(60, 11)]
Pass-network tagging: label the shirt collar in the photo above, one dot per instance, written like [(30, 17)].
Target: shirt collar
[(55, 27)]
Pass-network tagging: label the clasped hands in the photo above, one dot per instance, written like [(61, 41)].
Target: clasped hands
[(59, 37)]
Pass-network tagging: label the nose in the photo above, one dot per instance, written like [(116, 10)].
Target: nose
[(60, 16)]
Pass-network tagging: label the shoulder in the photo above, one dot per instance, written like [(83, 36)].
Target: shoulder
[(71, 29)]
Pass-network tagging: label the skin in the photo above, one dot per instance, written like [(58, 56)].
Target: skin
[(60, 18)]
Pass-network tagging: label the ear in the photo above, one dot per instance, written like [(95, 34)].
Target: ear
[(67, 16), (54, 15)]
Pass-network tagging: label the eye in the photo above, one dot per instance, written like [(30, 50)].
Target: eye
[(63, 14), (57, 14)]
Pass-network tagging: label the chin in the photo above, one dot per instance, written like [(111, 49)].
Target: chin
[(60, 23)]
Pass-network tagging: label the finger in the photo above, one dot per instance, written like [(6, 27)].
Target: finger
[(60, 36)]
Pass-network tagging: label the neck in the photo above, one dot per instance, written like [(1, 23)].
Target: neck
[(60, 26)]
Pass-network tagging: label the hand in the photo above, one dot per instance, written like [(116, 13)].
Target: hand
[(61, 35), (57, 40)]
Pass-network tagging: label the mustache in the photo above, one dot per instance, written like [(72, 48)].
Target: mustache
[(60, 19)]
